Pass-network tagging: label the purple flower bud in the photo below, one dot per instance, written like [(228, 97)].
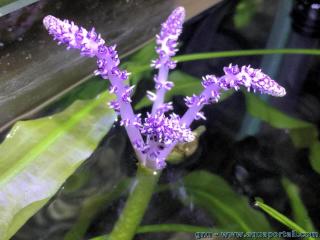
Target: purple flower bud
[(166, 130), (125, 122), (234, 78), (126, 95), (141, 146), (195, 100), (209, 80), (231, 69), (251, 79), (200, 115), (137, 123), (167, 38), (68, 33), (152, 96), (114, 105), (165, 107), (113, 89)]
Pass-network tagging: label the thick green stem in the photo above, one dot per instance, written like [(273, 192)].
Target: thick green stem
[(136, 205)]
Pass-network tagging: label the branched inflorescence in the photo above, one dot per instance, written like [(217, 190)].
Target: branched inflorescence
[(154, 136)]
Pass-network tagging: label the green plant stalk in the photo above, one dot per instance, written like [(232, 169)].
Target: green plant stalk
[(281, 218), (91, 207), (171, 227), (136, 205), (240, 53), (300, 213), (237, 53)]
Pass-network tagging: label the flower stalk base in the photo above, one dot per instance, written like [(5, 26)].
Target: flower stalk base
[(136, 205)]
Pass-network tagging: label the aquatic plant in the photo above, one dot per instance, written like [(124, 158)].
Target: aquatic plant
[(154, 136)]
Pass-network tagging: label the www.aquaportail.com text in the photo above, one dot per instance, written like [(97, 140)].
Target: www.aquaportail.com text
[(282, 234)]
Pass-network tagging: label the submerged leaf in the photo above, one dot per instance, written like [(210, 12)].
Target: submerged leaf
[(91, 206), (244, 13), (281, 218), (37, 157), (230, 210), (303, 134), (315, 156), (300, 213), (171, 227)]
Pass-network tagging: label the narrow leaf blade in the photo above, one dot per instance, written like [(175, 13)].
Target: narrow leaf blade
[(230, 210), (303, 134), (300, 212), (281, 218)]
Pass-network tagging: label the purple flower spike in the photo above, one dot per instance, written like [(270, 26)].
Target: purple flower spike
[(251, 79), (166, 130), (68, 33), (154, 136), (166, 48), (162, 131), (234, 78), (92, 45), (167, 38)]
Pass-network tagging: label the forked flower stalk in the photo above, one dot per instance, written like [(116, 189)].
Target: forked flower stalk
[(154, 136)]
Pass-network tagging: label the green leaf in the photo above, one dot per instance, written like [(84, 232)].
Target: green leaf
[(238, 53), (85, 91), (172, 228), (230, 210), (157, 228), (315, 156), (281, 218), (37, 157), (245, 10), (303, 134), (91, 206), (300, 213), (5, 2), (241, 53), (184, 84), (145, 54), (103, 237)]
